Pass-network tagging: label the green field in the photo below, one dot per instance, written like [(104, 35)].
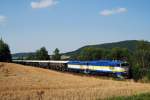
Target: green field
[(144, 96)]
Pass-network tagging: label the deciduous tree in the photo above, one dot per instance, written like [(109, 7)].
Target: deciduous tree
[(56, 55), (42, 54)]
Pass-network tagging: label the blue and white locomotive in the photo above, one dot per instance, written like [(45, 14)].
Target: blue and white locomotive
[(115, 67)]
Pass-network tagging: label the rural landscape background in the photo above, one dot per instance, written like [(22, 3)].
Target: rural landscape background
[(76, 30)]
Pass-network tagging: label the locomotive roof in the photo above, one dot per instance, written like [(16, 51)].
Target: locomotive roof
[(98, 62)]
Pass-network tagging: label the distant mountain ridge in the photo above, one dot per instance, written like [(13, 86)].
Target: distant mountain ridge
[(22, 55), (129, 44)]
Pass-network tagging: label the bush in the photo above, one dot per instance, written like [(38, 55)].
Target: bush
[(148, 74), (136, 73)]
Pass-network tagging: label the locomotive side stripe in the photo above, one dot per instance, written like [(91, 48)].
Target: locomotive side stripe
[(107, 68), (97, 68), (73, 66)]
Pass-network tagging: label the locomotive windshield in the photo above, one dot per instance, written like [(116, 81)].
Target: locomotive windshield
[(124, 65)]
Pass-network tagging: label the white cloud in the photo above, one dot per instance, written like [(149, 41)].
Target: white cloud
[(2, 19), (43, 3), (110, 12)]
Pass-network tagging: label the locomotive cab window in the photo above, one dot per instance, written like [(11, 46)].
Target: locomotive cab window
[(118, 65), (124, 65)]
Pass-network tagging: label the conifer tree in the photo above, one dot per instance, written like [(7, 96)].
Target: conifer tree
[(5, 55)]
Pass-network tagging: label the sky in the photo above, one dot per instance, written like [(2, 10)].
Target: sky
[(27, 25)]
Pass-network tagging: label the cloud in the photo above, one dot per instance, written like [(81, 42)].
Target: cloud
[(2, 19), (43, 3), (107, 12)]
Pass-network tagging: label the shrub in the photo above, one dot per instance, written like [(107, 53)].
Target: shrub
[(136, 72)]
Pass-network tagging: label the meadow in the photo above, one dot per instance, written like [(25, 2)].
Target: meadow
[(19, 82)]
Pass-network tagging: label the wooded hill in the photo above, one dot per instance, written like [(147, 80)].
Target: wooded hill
[(129, 44)]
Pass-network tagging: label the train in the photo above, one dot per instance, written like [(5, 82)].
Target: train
[(117, 68), (112, 67)]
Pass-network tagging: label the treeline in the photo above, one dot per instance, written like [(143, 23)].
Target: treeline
[(101, 53), (42, 54)]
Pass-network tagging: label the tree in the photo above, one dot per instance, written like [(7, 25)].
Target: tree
[(89, 54), (5, 55), (120, 53), (143, 54), (42, 54), (85, 54), (56, 55), (31, 57), (141, 59)]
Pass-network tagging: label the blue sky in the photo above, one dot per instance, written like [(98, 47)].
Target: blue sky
[(27, 25)]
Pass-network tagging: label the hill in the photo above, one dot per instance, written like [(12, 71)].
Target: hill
[(22, 55), (19, 82), (129, 44)]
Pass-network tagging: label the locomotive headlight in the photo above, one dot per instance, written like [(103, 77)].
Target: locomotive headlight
[(126, 69), (125, 66), (119, 69)]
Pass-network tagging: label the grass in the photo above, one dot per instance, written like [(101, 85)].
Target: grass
[(18, 82), (143, 96)]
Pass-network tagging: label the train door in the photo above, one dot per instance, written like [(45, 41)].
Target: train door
[(87, 71)]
